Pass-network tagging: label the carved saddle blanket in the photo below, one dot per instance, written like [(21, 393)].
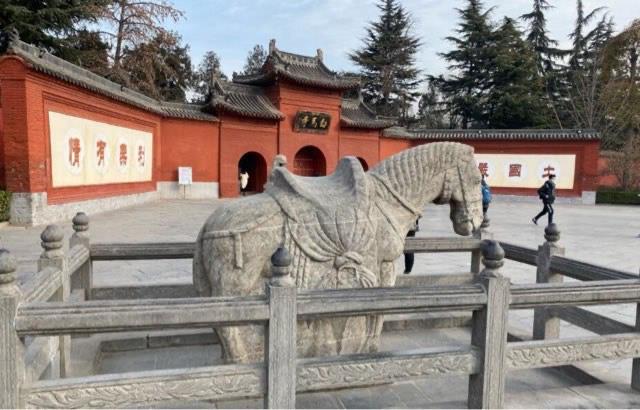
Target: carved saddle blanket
[(329, 219)]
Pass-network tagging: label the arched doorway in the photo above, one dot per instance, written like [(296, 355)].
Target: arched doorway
[(364, 164), (309, 162), (256, 166)]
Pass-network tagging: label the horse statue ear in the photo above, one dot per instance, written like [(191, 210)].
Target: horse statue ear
[(279, 160)]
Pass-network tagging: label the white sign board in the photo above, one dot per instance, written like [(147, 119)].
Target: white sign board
[(527, 170), (184, 176)]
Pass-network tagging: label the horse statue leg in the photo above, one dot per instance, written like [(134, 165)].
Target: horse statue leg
[(228, 263)]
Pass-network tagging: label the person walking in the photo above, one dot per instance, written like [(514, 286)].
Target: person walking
[(244, 182), (408, 256), (486, 195), (547, 193)]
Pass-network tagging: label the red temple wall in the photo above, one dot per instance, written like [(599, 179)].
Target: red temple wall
[(239, 136), (360, 143), (586, 152), (190, 143), (30, 96), (391, 146), (290, 100)]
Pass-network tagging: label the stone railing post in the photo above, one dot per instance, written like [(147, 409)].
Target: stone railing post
[(83, 279), (489, 332), (280, 337), (635, 369), (12, 374), (546, 326), (482, 233), (53, 257)]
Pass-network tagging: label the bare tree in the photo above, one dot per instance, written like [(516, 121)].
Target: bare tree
[(135, 22), (625, 165)]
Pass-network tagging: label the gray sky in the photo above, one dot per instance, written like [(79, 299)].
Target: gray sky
[(232, 27)]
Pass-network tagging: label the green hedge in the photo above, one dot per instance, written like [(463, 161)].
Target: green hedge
[(618, 197), (5, 201)]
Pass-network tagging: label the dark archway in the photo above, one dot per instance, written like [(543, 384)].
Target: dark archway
[(309, 161), (256, 166), (364, 164)]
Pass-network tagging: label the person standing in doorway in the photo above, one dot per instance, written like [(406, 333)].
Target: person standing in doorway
[(244, 182), (547, 193), (486, 195), (408, 256)]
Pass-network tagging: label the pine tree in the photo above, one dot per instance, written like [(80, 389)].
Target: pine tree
[(160, 68), (466, 89), (255, 60), (431, 110), (208, 68), (546, 54), (387, 61), (48, 24), (515, 97)]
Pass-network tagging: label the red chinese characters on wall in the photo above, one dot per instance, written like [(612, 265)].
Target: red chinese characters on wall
[(483, 167), (100, 147), (515, 170), (141, 155), (548, 170), (74, 152), (123, 155)]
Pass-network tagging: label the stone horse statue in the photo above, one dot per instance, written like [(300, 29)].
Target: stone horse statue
[(344, 230)]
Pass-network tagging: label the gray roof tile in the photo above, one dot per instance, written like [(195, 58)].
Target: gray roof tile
[(514, 134), (42, 61), (244, 100), (356, 114)]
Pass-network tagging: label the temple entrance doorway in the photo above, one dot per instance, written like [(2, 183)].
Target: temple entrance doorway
[(255, 166), (309, 162)]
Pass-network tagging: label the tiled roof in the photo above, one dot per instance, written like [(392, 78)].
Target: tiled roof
[(356, 114), (396, 132), (245, 100), (522, 134), (303, 70), (42, 61)]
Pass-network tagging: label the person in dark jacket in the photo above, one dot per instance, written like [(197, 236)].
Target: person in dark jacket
[(408, 256), (547, 194)]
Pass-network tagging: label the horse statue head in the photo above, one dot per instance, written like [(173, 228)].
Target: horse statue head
[(440, 172)]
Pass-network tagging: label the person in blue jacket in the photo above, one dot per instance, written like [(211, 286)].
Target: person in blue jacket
[(486, 195)]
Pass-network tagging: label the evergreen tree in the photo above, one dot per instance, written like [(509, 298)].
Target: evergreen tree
[(203, 77), (255, 60), (581, 40), (466, 89), (86, 49), (387, 61), (160, 68), (544, 47), (431, 110), (515, 97), (48, 24)]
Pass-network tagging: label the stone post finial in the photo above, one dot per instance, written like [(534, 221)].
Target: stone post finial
[(280, 263), (492, 257), (320, 54), (272, 45), (8, 266), (52, 237), (80, 222), (552, 233)]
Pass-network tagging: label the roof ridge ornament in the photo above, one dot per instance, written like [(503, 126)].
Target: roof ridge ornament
[(319, 54), (272, 46)]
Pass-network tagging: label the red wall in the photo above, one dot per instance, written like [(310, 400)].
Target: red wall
[(28, 96), (391, 146), (237, 137), (586, 152), (290, 100), (190, 143), (360, 143), (2, 160)]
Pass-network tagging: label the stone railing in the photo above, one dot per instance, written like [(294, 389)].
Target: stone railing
[(46, 310)]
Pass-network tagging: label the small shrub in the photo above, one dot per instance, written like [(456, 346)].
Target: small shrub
[(5, 202), (618, 197)]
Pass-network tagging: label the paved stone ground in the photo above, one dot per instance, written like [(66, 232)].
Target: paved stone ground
[(605, 235)]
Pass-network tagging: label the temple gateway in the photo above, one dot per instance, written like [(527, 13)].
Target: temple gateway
[(70, 139)]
